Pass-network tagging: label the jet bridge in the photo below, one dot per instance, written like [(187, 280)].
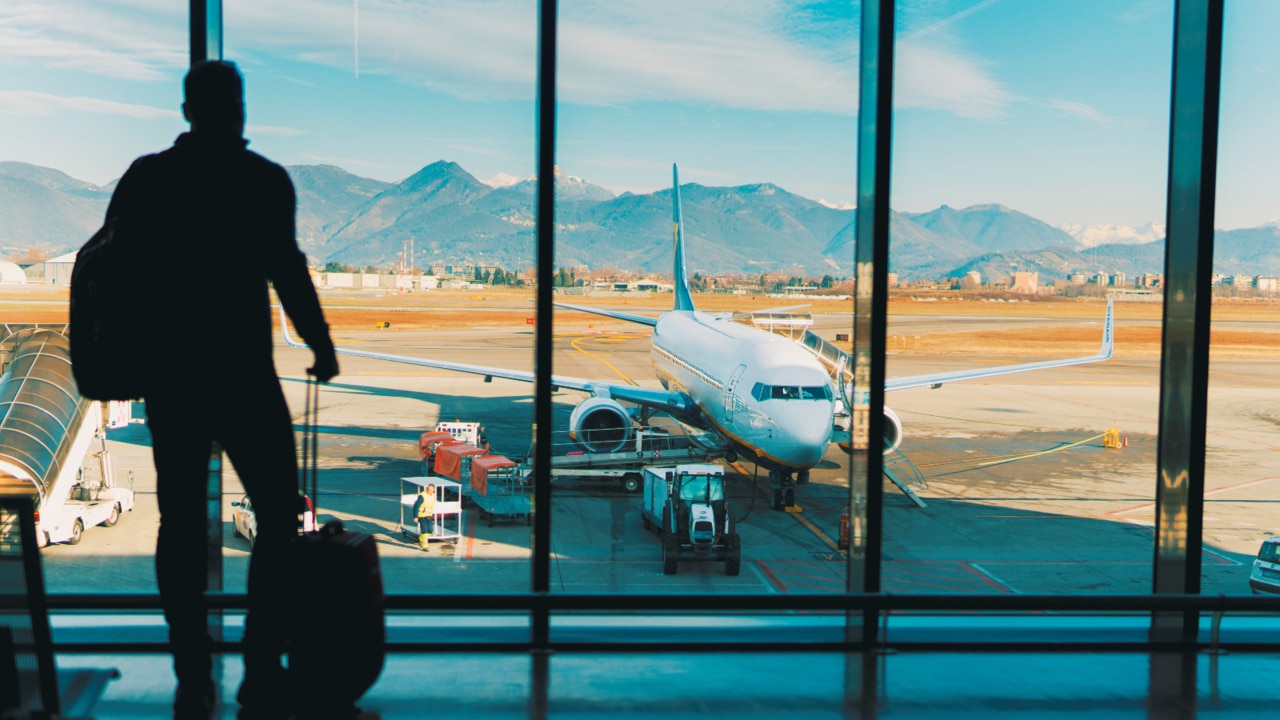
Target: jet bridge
[(795, 326)]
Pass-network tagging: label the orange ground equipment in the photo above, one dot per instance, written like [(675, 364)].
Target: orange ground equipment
[(481, 466), (449, 459), (427, 445)]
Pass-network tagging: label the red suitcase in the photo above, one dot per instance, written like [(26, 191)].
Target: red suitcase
[(337, 643)]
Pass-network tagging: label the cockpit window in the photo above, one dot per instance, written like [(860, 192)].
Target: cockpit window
[(764, 392)]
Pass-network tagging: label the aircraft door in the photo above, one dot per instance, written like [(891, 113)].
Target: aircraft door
[(730, 398)]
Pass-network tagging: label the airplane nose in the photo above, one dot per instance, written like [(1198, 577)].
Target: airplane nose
[(808, 435)]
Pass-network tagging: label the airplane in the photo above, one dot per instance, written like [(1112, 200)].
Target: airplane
[(752, 392)]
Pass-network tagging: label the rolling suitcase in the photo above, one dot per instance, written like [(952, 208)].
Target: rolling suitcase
[(337, 638)]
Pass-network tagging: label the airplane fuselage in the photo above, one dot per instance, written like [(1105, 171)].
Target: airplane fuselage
[(769, 397)]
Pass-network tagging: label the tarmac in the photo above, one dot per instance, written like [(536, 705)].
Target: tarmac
[(1021, 496)]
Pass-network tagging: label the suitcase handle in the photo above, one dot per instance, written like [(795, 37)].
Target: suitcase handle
[(308, 471)]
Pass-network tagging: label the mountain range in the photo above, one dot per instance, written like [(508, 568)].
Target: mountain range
[(454, 218)]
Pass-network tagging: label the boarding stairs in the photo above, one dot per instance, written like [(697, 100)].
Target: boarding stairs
[(904, 473)]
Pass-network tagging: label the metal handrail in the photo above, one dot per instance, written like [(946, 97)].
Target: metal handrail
[(771, 602)]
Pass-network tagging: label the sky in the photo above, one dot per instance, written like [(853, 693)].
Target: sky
[(1055, 108)]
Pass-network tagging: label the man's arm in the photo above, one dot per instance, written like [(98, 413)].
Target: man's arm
[(287, 271)]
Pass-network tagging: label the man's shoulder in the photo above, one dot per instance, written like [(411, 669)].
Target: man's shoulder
[(268, 168)]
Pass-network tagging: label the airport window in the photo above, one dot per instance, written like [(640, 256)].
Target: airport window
[(1240, 488), (1057, 138), (395, 122), (655, 106), (85, 91), (1051, 120)]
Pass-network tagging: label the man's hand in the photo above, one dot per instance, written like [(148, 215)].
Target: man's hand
[(326, 364)]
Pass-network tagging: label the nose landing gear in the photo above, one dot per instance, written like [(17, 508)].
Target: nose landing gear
[(784, 489)]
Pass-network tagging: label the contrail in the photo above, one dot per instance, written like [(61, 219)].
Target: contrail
[(948, 20), (355, 31)]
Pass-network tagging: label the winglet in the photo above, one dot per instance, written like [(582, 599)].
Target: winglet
[(684, 301), (284, 330), (1105, 352)]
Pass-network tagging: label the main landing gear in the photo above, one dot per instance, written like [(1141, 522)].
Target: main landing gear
[(784, 487)]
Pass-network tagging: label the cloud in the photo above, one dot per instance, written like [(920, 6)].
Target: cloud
[(24, 102), (128, 39), (777, 55), (935, 77), (1079, 109), (759, 55)]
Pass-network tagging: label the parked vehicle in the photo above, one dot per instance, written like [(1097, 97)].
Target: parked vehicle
[(244, 522), (1265, 575), (687, 505)]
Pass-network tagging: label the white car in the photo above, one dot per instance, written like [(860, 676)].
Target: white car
[(1265, 576), (245, 523)]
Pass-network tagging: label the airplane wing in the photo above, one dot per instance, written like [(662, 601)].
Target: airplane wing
[(628, 317), (676, 403), (938, 379)]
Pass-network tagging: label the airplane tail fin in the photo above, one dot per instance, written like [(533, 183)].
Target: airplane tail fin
[(684, 301), (1105, 352)]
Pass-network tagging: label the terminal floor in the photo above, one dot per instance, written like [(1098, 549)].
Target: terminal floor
[(745, 685)]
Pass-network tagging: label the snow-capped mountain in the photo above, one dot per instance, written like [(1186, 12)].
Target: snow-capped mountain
[(1093, 235), (501, 180)]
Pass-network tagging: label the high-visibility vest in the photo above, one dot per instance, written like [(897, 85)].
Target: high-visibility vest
[(425, 506)]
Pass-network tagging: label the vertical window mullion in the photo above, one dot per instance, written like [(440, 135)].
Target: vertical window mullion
[(1184, 365), (870, 262), (546, 131)]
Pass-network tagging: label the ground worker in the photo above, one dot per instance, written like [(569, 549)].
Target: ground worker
[(424, 509)]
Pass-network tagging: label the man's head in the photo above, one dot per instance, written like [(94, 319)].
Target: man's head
[(214, 98), (431, 489)]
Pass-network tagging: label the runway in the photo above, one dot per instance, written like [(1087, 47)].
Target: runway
[(1074, 520)]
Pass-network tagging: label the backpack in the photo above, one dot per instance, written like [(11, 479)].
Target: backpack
[(109, 348)]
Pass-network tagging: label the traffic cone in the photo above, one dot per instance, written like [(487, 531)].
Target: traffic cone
[(1126, 441)]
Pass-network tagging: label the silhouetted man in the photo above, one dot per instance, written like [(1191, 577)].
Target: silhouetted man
[(217, 222)]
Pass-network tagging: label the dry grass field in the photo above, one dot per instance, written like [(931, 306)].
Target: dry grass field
[(1137, 331)]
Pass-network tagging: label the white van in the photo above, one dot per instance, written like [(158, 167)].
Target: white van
[(1265, 576)]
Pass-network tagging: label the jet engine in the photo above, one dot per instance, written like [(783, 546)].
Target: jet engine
[(892, 431), (600, 425)]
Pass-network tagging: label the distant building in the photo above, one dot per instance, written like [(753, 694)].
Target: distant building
[(55, 271), (893, 279), (11, 274), (1149, 280), (1077, 279), (1119, 280), (1102, 279), (1027, 283)]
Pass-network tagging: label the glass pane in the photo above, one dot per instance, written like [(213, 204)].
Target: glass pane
[(664, 462), (85, 90), (408, 131), (1239, 484), (1030, 147)]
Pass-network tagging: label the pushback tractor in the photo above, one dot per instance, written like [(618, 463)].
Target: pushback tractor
[(687, 505)]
